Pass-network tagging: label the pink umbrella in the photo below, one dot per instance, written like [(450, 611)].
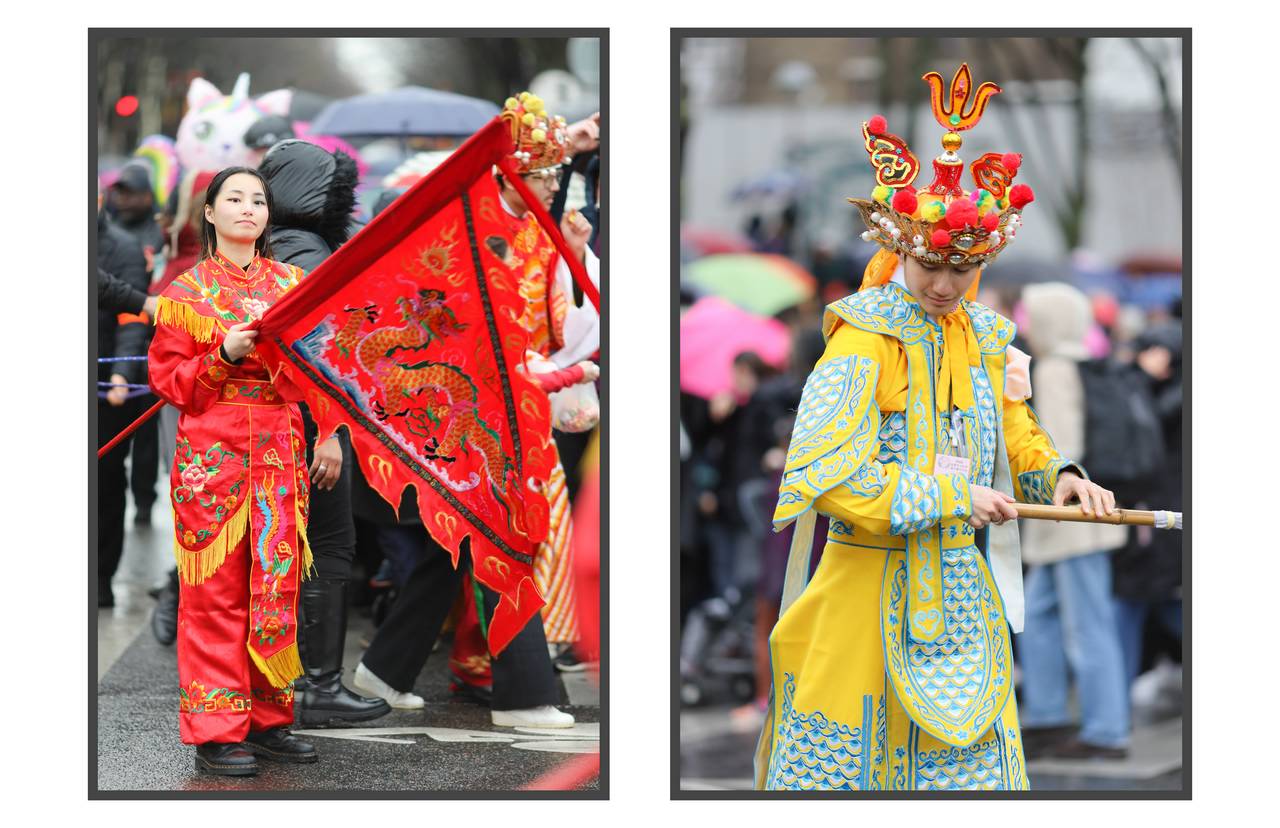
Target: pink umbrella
[(713, 332)]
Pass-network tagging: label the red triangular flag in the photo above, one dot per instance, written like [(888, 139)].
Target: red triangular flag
[(408, 335)]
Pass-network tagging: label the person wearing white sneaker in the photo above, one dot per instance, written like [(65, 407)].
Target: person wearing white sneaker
[(541, 716), (366, 682)]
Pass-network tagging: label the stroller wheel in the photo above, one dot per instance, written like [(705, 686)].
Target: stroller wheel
[(743, 688), (691, 693)]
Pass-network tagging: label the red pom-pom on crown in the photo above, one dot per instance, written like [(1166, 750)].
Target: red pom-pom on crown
[(990, 221), (1011, 161), (1020, 196), (961, 212), (940, 238), (877, 125), (905, 201)]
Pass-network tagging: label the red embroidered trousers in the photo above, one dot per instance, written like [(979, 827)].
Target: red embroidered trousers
[(222, 693)]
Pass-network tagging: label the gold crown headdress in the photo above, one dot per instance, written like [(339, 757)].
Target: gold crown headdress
[(943, 224), (542, 141)]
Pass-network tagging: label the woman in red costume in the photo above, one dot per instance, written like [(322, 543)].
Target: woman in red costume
[(239, 490)]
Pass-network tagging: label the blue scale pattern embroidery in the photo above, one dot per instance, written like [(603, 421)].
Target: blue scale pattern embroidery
[(811, 752), (986, 403), (917, 503), (977, 767), (820, 401), (893, 438), (1035, 488), (951, 671)]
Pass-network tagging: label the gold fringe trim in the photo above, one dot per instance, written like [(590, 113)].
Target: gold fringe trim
[(308, 568), (197, 566), (181, 315), (281, 668)]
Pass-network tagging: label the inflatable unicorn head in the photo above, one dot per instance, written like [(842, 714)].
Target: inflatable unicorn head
[(211, 135)]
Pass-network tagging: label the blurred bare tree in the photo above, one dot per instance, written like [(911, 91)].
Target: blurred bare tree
[(483, 67), (1155, 55)]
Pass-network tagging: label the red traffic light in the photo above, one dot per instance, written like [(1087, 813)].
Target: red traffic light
[(126, 106)]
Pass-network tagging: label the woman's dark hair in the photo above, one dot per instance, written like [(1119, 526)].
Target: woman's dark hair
[(209, 236)]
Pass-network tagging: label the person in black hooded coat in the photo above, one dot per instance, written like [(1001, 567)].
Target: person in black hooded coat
[(313, 191), (1147, 572)]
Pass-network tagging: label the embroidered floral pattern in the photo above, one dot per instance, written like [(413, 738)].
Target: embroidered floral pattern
[(196, 699), (196, 470), (281, 698)]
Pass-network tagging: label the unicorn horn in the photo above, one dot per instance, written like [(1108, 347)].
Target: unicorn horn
[(240, 93)]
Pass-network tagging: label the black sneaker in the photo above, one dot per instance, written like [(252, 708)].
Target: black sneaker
[(281, 745), (225, 759), (1076, 749), (566, 659)]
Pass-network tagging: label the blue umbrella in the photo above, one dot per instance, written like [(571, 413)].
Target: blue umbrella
[(410, 110)]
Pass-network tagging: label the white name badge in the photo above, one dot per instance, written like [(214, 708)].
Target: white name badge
[(950, 464)]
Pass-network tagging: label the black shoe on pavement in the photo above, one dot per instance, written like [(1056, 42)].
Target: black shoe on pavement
[(1039, 741), (281, 745), (143, 517), (320, 698), (323, 699), (225, 759), (466, 691), (1076, 749), (566, 659), (164, 618)]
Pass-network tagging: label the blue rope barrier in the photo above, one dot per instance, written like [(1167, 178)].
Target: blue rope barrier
[(122, 359), (102, 395)]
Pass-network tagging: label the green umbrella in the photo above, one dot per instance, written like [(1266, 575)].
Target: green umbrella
[(762, 283)]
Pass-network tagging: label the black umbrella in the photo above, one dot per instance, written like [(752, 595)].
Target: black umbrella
[(410, 110)]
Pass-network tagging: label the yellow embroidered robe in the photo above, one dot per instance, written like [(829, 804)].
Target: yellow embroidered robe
[(893, 668)]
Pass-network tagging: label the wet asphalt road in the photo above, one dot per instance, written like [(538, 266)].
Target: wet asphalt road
[(449, 746)]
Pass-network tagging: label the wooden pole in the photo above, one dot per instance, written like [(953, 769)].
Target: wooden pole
[(1075, 514)]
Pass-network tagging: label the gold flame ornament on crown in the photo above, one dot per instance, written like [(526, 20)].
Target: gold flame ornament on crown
[(942, 223)]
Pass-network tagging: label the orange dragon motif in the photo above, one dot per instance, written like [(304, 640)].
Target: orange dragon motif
[(394, 358)]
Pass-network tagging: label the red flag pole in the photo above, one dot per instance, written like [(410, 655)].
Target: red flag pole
[(579, 272), (132, 427)]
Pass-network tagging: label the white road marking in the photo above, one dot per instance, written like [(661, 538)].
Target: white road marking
[(581, 738)]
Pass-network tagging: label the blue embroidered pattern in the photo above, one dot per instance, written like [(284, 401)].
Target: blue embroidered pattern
[(811, 752), (829, 437), (985, 400), (893, 438), (951, 672), (868, 481), (977, 767), (1038, 486), (917, 503), (882, 310), (956, 686), (993, 331), (1034, 487)]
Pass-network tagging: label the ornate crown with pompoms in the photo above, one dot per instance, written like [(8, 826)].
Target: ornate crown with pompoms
[(943, 224), (542, 141)]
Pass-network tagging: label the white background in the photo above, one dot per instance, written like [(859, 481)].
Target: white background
[(44, 216)]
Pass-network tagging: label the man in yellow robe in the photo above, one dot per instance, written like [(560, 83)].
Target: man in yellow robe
[(892, 669)]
